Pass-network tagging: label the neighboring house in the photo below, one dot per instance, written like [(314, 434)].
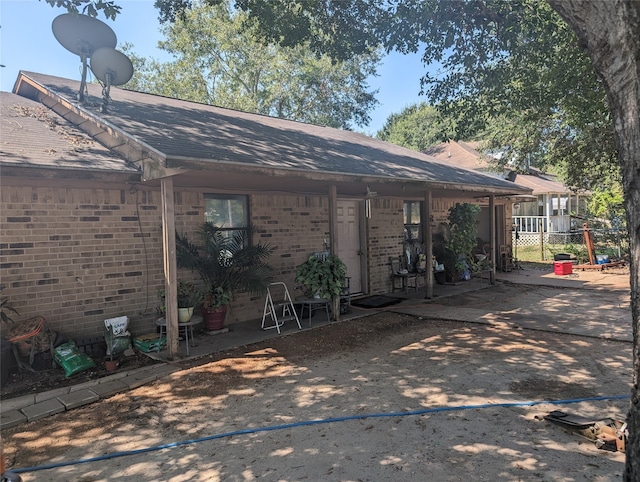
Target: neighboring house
[(87, 195), (554, 209)]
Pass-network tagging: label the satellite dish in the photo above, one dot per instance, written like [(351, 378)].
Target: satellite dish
[(82, 35), (112, 68)]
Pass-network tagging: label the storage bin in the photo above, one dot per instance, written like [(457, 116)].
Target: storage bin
[(150, 342), (562, 267)]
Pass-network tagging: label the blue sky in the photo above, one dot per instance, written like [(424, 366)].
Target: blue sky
[(27, 43)]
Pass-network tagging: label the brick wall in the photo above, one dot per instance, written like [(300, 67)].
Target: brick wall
[(295, 227), (78, 253)]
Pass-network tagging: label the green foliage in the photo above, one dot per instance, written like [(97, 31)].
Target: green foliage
[(219, 62), (417, 127), (454, 248), (608, 204), (88, 7), (6, 308), (226, 263), (326, 278), (578, 250), (188, 294), (337, 28), (462, 231), (514, 69)]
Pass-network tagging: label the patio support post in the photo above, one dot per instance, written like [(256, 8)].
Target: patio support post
[(428, 240), (170, 268), (333, 239), (492, 223)]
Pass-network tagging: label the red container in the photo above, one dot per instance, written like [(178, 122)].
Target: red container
[(562, 267)]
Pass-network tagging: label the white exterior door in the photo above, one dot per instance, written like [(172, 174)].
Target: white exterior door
[(349, 249)]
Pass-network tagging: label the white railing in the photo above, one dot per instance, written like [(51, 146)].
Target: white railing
[(530, 224), (551, 224)]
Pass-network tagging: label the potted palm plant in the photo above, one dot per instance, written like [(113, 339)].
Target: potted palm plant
[(227, 263)]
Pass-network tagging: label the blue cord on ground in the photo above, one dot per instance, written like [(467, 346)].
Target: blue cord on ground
[(316, 422)]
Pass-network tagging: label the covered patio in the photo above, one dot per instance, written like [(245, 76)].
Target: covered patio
[(248, 332)]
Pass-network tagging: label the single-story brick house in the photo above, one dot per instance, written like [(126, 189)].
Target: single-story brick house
[(85, 195)]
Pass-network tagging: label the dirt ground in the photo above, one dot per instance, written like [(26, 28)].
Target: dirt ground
[(385, 397)]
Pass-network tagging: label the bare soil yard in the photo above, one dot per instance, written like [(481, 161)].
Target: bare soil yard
[(404, 398)]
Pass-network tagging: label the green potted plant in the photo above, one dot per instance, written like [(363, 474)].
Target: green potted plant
[(454, 247), (188, 298), (322, 278), (227, 263)]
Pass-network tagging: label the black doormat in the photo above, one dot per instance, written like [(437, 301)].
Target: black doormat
[(376, 301)]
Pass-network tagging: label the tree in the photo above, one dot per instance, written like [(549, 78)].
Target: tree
[(610, 32), (418, 127), (480, 37), (218, 61), (88, 7)]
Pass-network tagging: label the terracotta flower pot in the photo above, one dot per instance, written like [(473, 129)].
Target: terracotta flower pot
[(111, 365), (213, 318)]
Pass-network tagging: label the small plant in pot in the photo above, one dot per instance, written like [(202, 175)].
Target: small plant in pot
[(454, 247), (188, 298), (227, 263), (323, 278), (110, 363)]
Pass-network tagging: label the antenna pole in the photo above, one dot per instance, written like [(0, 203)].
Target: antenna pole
[(83, 81)]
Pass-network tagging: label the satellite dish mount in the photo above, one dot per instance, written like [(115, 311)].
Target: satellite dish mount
[(88, 37), (111, 68)]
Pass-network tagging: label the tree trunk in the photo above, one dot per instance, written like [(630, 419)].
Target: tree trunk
[(610, 33)]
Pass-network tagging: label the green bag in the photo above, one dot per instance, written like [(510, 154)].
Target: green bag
[(71, 359)]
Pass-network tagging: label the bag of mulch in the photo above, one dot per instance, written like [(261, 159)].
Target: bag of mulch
[(71, 359), (117, 337)]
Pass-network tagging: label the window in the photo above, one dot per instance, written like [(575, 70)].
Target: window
[(229, 213), (541, 201), (558, 205), (412, 221)]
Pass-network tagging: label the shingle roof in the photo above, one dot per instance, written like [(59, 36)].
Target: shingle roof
[(539, 185), (184, 131), (34, 136), (459, 154)]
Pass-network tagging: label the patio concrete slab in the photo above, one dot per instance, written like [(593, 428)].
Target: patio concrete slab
[(78, 398), (43, 409)]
